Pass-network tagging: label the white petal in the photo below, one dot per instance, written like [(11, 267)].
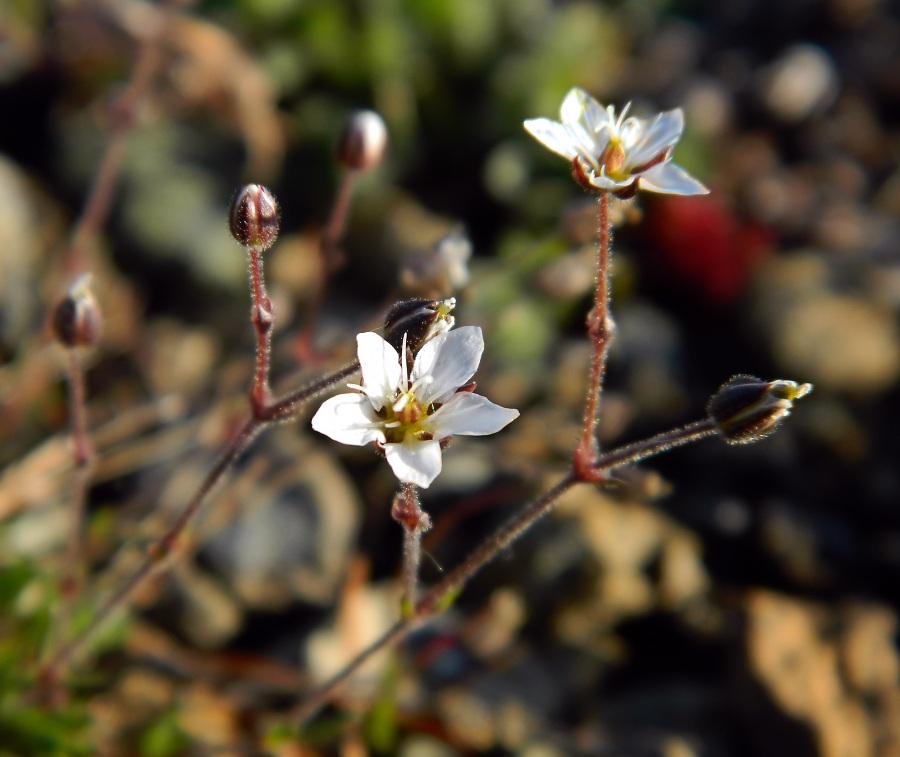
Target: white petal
[(671, 179), (449, 361), (573, 106), (631, 132), (589, 124), (380, 368), (415, 462), (602, 181), (658, 136), (586, 144), (552, 135), (595, 117), (469, 414), (349, 419)]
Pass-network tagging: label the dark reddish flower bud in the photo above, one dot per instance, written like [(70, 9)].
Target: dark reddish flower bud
[(747, 409), (363, 141), (76, 320), (254, 218), (420, 320)]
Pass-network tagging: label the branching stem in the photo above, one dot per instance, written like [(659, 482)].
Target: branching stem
[(438, 597)]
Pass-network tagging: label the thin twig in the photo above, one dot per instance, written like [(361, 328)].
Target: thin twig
[(164, 546), (330, 260), (262, 318), (445, 591), (600, 331), (83, 457), (407, 511), (124, 110)]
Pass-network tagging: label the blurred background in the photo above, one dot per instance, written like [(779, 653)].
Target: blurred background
[(715, 601)]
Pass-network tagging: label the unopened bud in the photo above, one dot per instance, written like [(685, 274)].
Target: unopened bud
[(746, 409), (363, 141), (253, 217), (76, 320), (420, 320)]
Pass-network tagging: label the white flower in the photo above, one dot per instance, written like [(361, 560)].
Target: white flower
[(617, 154), (408, 414)]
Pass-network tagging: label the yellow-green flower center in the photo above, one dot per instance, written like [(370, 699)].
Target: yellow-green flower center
[(613, 159), (406, 416)]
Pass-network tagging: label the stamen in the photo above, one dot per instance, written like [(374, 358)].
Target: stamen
[(403, 361), (622, 117)]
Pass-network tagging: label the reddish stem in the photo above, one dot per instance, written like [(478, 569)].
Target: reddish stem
[(444, 592), (600, 328), (408, 512), (124, 109), (330, 260), (262, 318)]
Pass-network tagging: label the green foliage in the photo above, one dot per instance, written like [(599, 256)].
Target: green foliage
[(26, 603), (164, 738)]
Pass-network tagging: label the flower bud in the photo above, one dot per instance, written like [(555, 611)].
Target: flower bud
[(253, 217), (747, 409), (363, 141), (76, 320), (420, 320)]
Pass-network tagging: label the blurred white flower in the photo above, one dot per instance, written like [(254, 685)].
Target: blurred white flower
[(408, 414), (616, 154)]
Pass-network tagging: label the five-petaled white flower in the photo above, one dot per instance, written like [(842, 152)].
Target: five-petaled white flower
[(408, 414), (616, 154)]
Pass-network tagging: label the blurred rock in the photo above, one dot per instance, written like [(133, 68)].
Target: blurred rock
[(284, 532), (208, 716), (836, 341), (802, 81), (869, 651), (792, 649), (624, 538), (179, 360)]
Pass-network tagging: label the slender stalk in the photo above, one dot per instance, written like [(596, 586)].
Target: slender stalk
[(286, 407), (262, 318), (264, 413), (445, 591), (407, 511), (96, 208), (83, 457), (329, 247), (509, 532), (75, 565), (632, 453), (330, 259), (600, 329), (164, 546), (318, 696)]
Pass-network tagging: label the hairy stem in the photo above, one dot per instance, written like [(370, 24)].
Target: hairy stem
[(600, 328), (262, 318), (445, 591), (407, 511)]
